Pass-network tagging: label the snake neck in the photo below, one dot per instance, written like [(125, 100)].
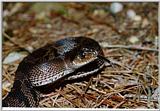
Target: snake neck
[(22, 94)]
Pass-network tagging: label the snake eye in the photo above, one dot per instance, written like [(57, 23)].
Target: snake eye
[(87, 53), (82, 54)]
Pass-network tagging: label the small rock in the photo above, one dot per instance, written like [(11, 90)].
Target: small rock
[(49, 26), (137, 18), (5, 25), (133, 39), (95, 30), (116, 7), (14, 56), (5, 13), (131, 14), (99, 12), (156, 94), (145, 23), (29, 48), (6, 84), (156, 41), (41, 16), (103, 44), (33, 30)]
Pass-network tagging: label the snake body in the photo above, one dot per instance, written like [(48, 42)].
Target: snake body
[(66, 59)]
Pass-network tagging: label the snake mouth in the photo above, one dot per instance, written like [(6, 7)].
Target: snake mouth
[(78, 64), (81, 61)]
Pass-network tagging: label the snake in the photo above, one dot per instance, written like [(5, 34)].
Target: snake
[(69, 58)]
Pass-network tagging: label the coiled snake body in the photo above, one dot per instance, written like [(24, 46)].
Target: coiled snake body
[(55, 61)]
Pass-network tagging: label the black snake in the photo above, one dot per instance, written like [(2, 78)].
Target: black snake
[(55, 61)]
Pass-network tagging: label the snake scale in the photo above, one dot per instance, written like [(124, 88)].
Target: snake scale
[(66, 59)]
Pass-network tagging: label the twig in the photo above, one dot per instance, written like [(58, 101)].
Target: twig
[(16, 8), (120, 90), (19, 45), (112, 62), (54, 100), (102, 22), (89, 83), (67, 98), (119, 104), (65, 19), (97, 90), (7, 76), (131, 47)]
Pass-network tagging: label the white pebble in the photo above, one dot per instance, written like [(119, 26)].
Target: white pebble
[(133, 39), (99, 12), (131, 14), (145, 23), (104, 44), (29, 48), (40, 16), (116, 7), (5, 13), (14, 56), (49, 26), (156, 41), (137, 18), (6, 84)]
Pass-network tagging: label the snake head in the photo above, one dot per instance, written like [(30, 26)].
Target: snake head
[(84, 57)]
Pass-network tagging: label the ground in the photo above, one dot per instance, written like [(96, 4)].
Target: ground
[(130, 42)]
